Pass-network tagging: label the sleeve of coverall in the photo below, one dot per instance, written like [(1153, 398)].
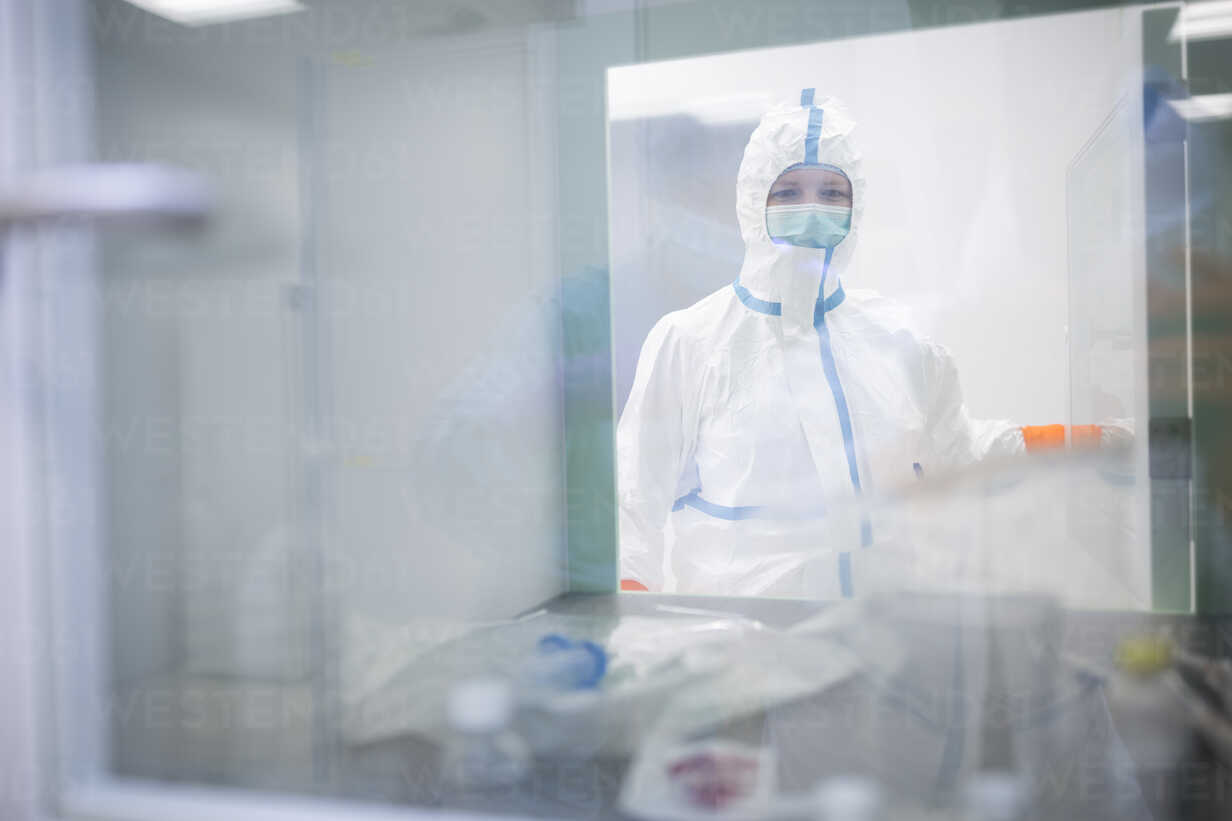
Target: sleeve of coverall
[(954, 439), (653, 442)]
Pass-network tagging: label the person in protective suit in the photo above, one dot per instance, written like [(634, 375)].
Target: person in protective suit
[(763, 417)]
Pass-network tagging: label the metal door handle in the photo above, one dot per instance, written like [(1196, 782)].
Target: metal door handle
[(107, 192)]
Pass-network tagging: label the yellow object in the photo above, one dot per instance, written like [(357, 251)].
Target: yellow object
[(1144, 655)]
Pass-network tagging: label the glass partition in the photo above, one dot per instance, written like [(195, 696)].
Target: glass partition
[(984, 300), (641, 408)]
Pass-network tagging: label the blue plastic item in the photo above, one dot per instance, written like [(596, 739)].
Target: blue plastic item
[(572, 664)]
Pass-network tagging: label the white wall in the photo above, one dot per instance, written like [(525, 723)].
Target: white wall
[(967, 134)]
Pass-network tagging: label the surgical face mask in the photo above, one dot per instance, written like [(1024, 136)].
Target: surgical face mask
[(810, 225)]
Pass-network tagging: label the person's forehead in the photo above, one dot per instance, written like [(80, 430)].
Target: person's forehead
[(811, 176)]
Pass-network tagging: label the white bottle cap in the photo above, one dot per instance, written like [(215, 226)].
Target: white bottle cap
[(480, 705)]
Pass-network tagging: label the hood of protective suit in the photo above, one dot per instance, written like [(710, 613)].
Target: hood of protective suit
[(814, 131)]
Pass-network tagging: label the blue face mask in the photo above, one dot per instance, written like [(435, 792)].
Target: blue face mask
[(810, 225)]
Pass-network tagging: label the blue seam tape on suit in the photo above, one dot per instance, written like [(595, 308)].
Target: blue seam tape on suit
[(830, 368), (776, 308), (836, 388), (695, 501), (813, 136), (834, 300), (734, 514), (759, 305)]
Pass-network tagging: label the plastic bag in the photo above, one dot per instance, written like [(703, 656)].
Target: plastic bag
[(648, 660)]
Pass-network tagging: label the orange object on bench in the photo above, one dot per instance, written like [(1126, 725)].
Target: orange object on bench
[(1052, 437), (1084, 436), (629, 584), (1043, 437)]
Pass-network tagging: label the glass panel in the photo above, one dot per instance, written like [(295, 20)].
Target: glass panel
[(496, 310), (333, 416), (931, 331)]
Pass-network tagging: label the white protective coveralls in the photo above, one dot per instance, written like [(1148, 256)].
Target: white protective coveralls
[(763, 417)]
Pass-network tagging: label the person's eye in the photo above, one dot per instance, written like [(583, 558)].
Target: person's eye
[(783, 193)]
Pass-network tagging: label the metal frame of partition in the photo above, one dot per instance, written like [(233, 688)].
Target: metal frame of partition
[(1170, 405), (23, 706), (54, 716)]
